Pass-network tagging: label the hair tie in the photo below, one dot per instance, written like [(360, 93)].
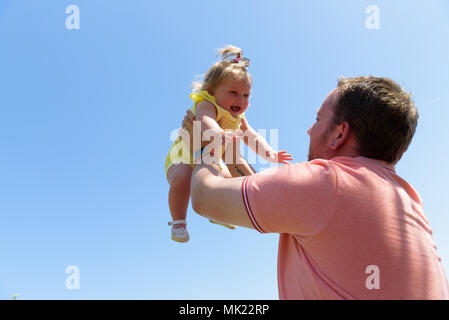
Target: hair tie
[(236, 60), (244, 62)]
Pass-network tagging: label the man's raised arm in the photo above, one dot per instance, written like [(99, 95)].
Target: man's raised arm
[(217, 198)]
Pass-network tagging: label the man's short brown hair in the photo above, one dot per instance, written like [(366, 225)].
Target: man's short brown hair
[(382, 116)]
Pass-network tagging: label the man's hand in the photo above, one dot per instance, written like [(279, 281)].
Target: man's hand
[(187, 129), (187, 122)]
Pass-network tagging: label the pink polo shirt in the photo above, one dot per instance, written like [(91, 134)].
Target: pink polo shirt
[(350, 228)]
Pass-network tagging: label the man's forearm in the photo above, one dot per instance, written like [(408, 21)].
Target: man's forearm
[(198, 190), (237, 165), (241, 168)]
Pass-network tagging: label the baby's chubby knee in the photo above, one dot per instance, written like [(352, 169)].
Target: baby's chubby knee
[(180, 177)]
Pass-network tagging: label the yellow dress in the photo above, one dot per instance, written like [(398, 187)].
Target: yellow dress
[(224, 119)]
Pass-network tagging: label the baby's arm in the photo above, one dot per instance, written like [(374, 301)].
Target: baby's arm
[(259, 145), (207, 113)]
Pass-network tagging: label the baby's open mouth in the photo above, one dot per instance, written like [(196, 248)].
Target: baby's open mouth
[(235, 108)]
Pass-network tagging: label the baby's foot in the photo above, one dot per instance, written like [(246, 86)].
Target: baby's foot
[(179, 231)]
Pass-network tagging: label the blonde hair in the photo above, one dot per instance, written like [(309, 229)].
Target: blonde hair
[(224, 68)]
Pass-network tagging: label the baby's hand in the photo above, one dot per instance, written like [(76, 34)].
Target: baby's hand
[(278, 157)]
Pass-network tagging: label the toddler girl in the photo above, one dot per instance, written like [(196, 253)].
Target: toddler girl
[(220, 101)]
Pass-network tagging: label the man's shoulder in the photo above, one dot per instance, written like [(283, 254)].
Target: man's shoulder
[(319, 173)]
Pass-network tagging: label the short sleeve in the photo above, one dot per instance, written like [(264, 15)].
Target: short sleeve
[(295, 198)]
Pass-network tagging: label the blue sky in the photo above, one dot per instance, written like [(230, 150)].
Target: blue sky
[(86, 117)]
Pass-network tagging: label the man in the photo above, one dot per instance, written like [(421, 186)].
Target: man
[(350, 227)]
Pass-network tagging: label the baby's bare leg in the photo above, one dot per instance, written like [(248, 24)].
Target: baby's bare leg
[(179, 176)]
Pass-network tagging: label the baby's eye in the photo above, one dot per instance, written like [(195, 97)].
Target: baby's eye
[(233, 92), (246, 96)]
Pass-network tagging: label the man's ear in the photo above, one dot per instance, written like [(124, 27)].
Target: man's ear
[(342, 132)]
